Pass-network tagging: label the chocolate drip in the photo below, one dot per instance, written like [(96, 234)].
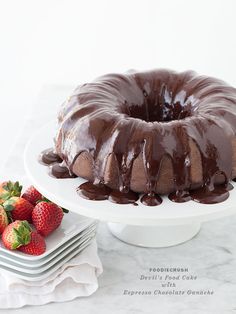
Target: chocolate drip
[(210, 196), (49, 157), (123, 198), (152, 116), (180, 196), (229, 187), (94, 192), (60, 171), (99, 192), (124, 154), (181, 165), (152, 157), (151, 199)]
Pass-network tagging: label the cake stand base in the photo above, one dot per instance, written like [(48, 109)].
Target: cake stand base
[(154, 236)]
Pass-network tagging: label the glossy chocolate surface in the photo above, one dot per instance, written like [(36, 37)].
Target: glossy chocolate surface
[(206, 196), (57, 168), (155, 114), (180, 196), (60, 171), (49, 157), (118, 197), (93, 192), (151, 199)]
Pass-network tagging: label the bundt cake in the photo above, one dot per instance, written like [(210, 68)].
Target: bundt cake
[(155, 132)]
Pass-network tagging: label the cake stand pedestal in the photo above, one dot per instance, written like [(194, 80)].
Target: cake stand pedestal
[(160, 226), (154, 236)]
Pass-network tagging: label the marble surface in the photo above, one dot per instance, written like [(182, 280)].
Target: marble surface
[(208, 260)]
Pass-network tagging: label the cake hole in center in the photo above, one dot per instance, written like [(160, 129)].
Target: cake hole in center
[(161, 107)]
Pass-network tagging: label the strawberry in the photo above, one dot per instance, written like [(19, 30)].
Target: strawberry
[(46, 217), (36, 246), (16, 234), (19, 208), (3, 219), (9, 189), (32, 195)]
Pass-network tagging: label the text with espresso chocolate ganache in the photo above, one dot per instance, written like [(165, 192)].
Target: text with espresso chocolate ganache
[(143, 134)]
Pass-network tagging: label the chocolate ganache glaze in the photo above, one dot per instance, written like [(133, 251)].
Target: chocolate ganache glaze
[(49, 157), (57, 167), (155, 132)]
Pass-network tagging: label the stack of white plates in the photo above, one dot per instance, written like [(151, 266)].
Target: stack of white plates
[(75, 233)]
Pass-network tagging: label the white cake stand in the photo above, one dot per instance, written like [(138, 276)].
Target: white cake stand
[(161, 226)]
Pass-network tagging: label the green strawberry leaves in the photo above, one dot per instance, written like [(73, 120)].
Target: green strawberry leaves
[(14, 188), (9, 204), (9, 216), (11, 189), (22, 235)]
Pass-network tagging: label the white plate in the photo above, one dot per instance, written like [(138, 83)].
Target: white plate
[(63, 191), (51, 270), (45, 267), (71, 225), (12, 260)]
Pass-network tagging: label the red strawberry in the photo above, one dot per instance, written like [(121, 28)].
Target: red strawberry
[(46, 217), (19, 208), (36, 246), (8, 189), (3, 219), (32, 195), (16, 234)]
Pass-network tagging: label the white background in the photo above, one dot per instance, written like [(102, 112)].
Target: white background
[(68, 42)]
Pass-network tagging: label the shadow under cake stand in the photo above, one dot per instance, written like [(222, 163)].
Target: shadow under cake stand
[(160, 226)]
